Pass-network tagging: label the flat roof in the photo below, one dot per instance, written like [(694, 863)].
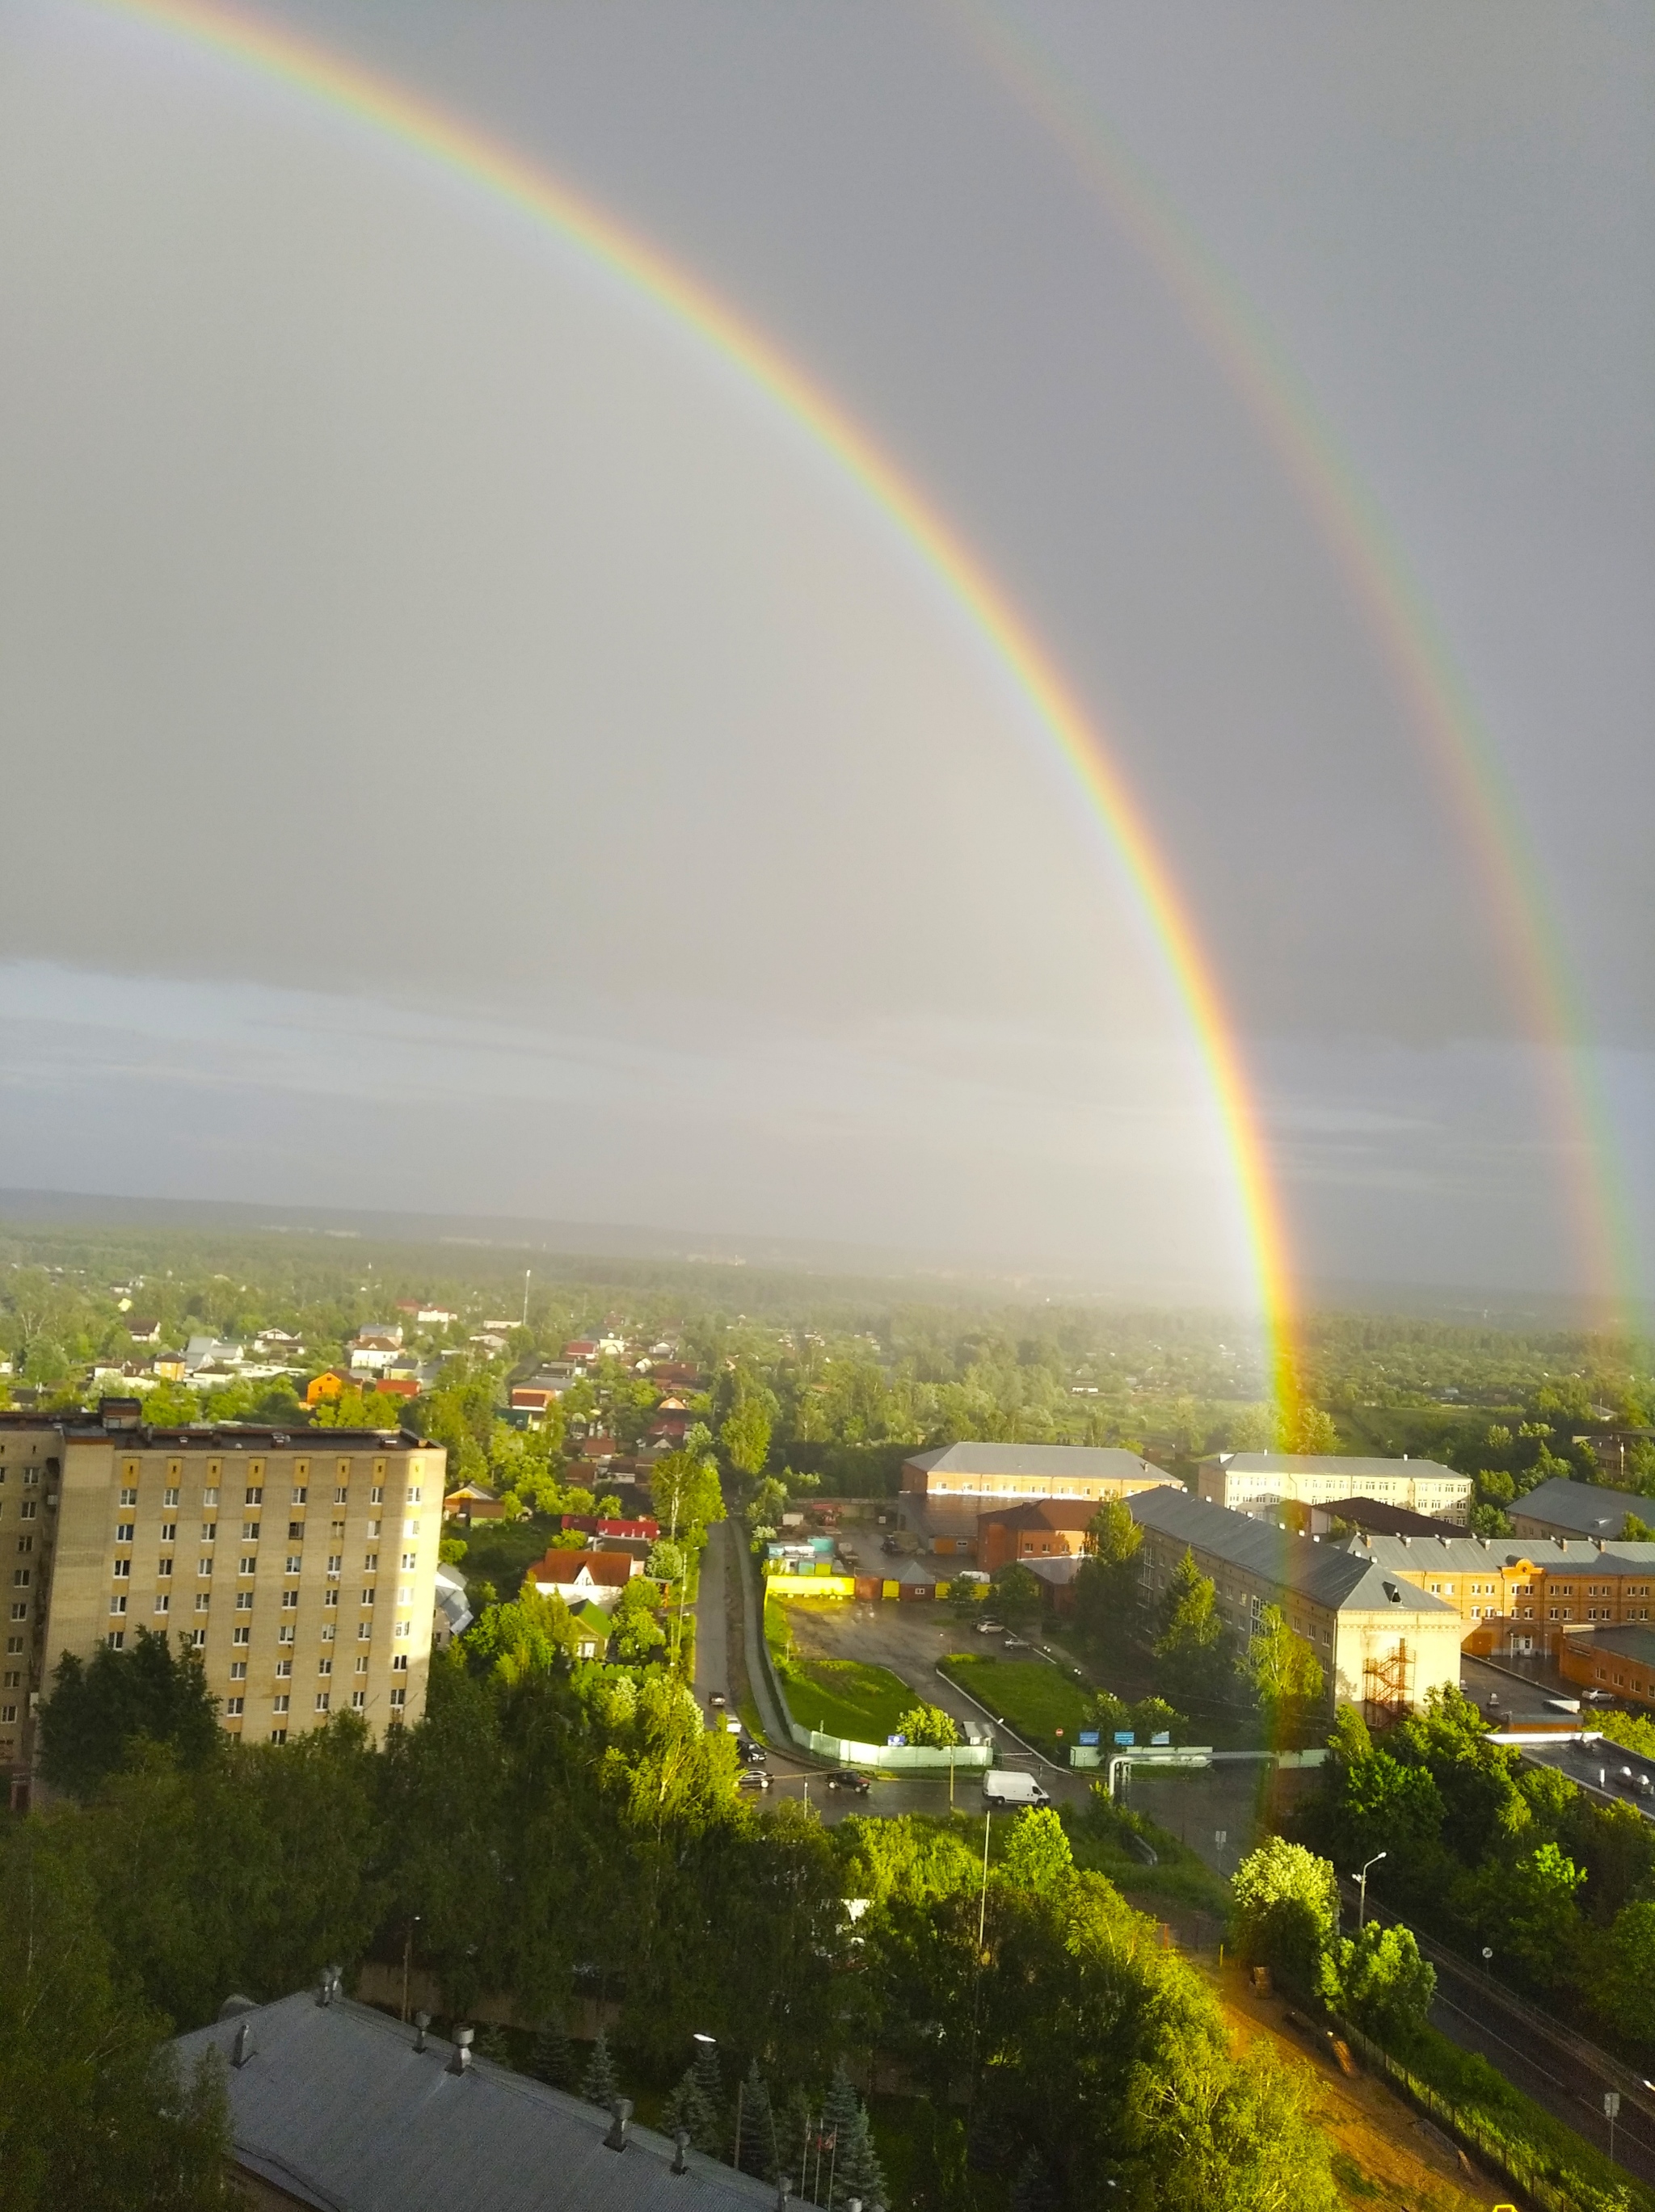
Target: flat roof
[(1627, 1642)]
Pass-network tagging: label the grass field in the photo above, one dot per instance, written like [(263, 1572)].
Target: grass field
[(843, 1697), (1032, 1698)]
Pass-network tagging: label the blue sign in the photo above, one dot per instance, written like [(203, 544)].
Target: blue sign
[(1088, 1735), (895, 1741), (1164, 1737), (1125, 1738)]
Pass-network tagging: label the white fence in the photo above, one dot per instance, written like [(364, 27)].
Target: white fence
[(894, 1757)]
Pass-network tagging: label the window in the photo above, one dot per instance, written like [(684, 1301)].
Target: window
[(255, 1497), (362, 1664), (250, 1563), (15, 1644), (289, 1600), (29, 1508), (364, 1632), (244, 1601), (116, 1640), (324, 1666), (279, 1702), (250, 1532), (117, 1605), (399, 1664), (374, 1527), (198, 1639), (370, 1563), (284, 1633), (335, 1565), (278, 1735), (242, 1635), (169, 1531), (299, 1493), (321, 1701), (129, 1497), (413, 1495), (367, 1597), (376, 1495), (331, 1597), (203, 1568), (296, 1561), (163, 1603), (208, 1532), (341, 1494), (358, 1700), (231, 1707), (209, 1499), (398, 1696), (123, 1570), (169, 1497), (404, 1628), (327, 1632), (295, 1532), (7, 1712), (237, 1670), (283, 1670), (409, 1561), (202, 1600), (124, 1531), (411, 1528), (25, 1544)]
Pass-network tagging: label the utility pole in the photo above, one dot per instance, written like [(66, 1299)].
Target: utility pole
[(527, 1271)]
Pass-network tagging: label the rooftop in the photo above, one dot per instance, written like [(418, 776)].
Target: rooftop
[(1341, 1580), (336, 2108), (1328, 1463), (1467, 1553), (1086, 1461), (1581, 1509), (1043, 1513), (1628, 1642)]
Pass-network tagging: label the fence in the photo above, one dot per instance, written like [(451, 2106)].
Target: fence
[(891, 1756), (1505, 2156)]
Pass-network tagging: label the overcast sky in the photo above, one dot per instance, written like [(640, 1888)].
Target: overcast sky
[(465, 751)]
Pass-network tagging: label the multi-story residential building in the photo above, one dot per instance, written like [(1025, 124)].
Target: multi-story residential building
[(31, 1458), (1253, 1482), (944, 1493), (1382, 1641), (1524, 1594), (301, 1565)]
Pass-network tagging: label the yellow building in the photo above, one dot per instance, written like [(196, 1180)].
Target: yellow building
[(1519, 1595), (30, 1459), (300, 1565)]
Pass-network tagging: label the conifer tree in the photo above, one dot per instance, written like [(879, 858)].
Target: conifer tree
[(794, 2135), (552, 2061), (841, 2119), (756, 2151), (688, 2107), (602, 2082), (491, 2044)]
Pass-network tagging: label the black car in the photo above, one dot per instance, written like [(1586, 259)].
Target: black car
[(843, 1779), (751, 1754)]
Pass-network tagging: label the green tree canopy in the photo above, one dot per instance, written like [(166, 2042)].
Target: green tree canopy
[(1192, 1644), (928, 1724), (1378, 1978), (100, 1707), (1036, 1854), (745, 1437), (1281, 1668), (1286, 1910)]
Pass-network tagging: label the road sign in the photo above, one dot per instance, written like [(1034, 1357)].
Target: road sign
[(1611, 2104)]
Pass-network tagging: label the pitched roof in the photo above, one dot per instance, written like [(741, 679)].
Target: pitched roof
[(1043, 1513), (337, 2108), (1326, 1463), (1086, 1461), (1467, 1553), (1341, 1580), (608, 1567), (1580, 1509)]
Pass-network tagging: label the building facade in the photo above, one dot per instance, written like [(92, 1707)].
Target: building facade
[(1382, 1641), (945, 1491), (1050, 1528), (31, 1460), (1518, 1595), (300, 1567), (1252, 1482)]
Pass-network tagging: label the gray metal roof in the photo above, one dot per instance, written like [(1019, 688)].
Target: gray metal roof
[(1087, 1461), (1326, 1574), (1325, 1463), (338, 2108), (1466, 1555), (1580, 1509)]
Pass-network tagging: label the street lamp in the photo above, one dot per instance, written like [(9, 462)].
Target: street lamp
[(1361, 1882)]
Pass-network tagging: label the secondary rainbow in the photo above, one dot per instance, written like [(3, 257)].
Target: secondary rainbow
[(1460, 755), (398, 113)]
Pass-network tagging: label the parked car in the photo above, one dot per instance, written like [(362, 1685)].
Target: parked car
[(751, 1780), (844, 1778), (1015, 1643), (716, 1699), (991, 1628), (752, 1753)]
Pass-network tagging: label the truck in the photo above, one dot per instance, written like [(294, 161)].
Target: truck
[(1009, 1785)]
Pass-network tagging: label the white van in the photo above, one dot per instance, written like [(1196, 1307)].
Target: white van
[(1006, 1785)]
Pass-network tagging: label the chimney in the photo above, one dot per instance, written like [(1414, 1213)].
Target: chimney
[(622, 2108), (680, 2144), (460, 2062), (421, 2021), (241, 2049)]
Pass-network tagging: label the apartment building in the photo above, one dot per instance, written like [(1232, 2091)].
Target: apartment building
[(30, 1464), (1522, 1594), (944, 1491), (1382, 1641), (1252, 1482), (300, 1566)]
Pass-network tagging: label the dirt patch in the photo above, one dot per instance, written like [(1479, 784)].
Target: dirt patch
[(1384, 2155)]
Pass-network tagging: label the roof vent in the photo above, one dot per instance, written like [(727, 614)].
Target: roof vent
[(241, 2049), (331, 1977), (460, 2062), (783, 2191), (1408, 1540), (680, 2144), (1391, 1590), (622, 2108), (421, 2021)]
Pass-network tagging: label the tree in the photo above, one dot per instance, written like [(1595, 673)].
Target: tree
[(636, 1622), (551, 2060), (745, 1437), (928, 1724), (1016, 1588), (665, 1561), (1036, 1854), (1284, 1671), (690, 2108), (600, 2084), (1622, 1991), (1378, 1978), (1106, 1583), (530, 1635), (100, 1707), (1287, 1908), (755, 2150), (684, 1489), (1190, 1647)]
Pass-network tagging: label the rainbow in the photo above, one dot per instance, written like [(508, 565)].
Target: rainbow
[(396, 113), (1458, 751)]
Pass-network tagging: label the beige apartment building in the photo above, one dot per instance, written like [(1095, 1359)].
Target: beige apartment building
[(1251, 1482), (300, 1565), (945, 1491)]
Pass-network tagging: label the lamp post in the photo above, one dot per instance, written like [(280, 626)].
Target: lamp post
[(1362, 1883)]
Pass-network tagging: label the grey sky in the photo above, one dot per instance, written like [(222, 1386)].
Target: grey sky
[(395, 617)]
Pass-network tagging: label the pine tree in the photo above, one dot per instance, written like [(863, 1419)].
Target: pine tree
[(552, 2061), (602, 2082), (688, 2108), (491, 2044), (710, 2074), (756, 2151), (841, 2117), (858, 2172), (793, 2135)]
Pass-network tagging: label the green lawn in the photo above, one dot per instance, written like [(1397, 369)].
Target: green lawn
[(1032, 1698), (840, 1697)]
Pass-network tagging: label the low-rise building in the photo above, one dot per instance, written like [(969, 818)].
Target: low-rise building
[(944, 1493), (1384, 1642), (1050, 1527), (1520, 1596), (332, 2104), (1562, 1508), (1620, 1661), (1253, 1482), (578, 1576)]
